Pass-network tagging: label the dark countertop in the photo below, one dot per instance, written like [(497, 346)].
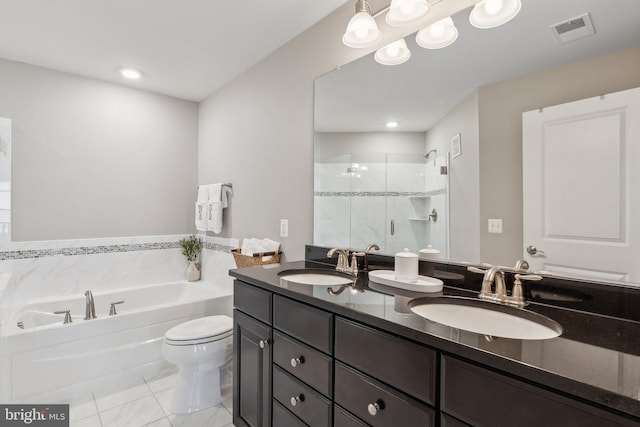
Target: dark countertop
[(597, 357)]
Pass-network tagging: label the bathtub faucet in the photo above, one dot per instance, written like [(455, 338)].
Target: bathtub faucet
[(90, 312)]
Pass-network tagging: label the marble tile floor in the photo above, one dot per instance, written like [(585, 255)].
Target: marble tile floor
[(145, 403)]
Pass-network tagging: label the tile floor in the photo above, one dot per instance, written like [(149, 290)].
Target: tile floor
[(143, 404)]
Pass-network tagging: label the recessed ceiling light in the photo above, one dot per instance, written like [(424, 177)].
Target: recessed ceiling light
[(392, 124), (130, 73)]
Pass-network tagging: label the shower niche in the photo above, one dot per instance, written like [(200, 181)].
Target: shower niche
[(394, 200)]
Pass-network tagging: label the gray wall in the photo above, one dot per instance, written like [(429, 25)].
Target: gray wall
[(464, 188), (95, 159), (500, 108), (257, 132)]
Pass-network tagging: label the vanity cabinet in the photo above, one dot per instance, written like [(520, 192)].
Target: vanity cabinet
[(252, 340), (299, 365), (479, 396)]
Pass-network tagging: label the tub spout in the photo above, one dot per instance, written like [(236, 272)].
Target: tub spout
[(90, 312)]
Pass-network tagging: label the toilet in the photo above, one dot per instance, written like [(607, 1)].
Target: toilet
[(203, 350)]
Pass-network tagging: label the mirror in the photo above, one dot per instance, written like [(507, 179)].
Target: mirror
[(478, 88)]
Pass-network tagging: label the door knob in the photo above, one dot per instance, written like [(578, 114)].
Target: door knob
[(263, 343), (532, 250)]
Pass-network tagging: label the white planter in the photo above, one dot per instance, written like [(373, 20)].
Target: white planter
[(193, 271)]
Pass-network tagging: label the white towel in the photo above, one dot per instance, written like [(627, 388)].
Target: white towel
[(218, 200), (202, 208), (253, 245)]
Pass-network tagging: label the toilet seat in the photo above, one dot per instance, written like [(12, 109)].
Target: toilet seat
[(200, 331)]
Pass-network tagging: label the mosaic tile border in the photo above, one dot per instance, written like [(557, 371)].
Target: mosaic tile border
[(371, 193), (101, 249)]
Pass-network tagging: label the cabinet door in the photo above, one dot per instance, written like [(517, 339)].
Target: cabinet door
[(252, 372)]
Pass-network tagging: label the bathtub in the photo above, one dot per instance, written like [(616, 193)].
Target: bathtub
[(47, 361)]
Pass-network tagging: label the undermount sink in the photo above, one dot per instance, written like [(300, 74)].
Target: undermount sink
[(486, 318), (316, 276)]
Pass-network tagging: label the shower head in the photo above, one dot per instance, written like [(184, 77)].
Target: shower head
[(434, 151)]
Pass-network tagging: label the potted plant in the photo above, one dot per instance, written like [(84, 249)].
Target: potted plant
[(191, 247)]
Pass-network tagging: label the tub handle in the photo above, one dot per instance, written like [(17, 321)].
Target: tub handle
[(67, 316), (112, 310)]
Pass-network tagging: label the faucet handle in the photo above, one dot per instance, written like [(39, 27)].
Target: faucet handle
[(476, 270), (67, 316), (112, 310)]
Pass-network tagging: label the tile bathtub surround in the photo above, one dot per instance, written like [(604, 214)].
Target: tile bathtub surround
[(38, 270), (143, 404)]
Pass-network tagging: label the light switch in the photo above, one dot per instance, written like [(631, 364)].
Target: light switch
[(284, 228), (495, 225)]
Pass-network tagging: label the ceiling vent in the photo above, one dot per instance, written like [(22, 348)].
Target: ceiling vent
[(573, 29)]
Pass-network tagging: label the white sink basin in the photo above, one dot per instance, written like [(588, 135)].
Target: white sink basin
[(316, 277), (486, 318)]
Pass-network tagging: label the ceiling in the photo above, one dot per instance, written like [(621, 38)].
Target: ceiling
[(364, 95), (186, 49)]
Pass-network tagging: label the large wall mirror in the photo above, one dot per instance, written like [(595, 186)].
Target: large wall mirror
[(472, 96)]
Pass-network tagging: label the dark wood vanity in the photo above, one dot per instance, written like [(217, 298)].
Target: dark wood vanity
[(300, 359)]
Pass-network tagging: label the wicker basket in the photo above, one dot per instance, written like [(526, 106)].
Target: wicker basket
[(255, 259)]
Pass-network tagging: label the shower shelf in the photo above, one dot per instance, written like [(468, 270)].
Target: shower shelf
[(428, 194)]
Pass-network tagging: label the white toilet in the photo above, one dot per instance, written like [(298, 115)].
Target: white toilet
[(203, 350)]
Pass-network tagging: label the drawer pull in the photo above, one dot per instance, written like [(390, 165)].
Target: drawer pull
[(296, 399), (263, 343), (374, 408), (297, 361)]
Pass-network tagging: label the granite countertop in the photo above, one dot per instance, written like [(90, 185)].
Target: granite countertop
[(596, 358)]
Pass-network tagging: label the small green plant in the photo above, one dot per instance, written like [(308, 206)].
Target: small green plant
[(191, 247)]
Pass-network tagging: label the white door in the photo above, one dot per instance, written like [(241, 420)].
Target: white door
[(581, 175)]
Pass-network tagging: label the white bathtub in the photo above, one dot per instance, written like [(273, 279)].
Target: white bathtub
[(47, 361)]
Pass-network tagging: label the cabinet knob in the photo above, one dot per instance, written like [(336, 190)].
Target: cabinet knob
[(297, 361), (376, 407), (296, 399), (263, 343)]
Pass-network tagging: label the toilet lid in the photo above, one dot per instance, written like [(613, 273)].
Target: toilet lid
[(205, 327)]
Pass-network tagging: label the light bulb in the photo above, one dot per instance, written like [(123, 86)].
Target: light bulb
[(436, 30), (393, 54), (492, 6), (406, 12)]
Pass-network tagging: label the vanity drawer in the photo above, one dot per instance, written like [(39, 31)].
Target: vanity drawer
[(407, 366), (311, 366), (469, 393), (283, 418), (356, 393), (253, 301), (342, 418), (312, 407), (305, 323)]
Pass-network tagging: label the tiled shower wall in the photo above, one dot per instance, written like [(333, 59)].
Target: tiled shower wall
[(37, 270), (354, 209)]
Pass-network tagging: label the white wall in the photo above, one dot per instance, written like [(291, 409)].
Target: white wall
[(95, 159)]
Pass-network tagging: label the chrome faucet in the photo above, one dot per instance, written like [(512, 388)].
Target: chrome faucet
[(492, 276), (343, 259), (90, 311), (521, 264), (371, 247)]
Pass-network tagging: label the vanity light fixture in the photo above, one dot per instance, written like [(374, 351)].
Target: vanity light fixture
[(130, 73), (393, 54), (362, 30), (406, 12), (437, 35), (493, 13)]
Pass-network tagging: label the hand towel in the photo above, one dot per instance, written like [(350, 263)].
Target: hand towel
[(218, 200), (202, 208)]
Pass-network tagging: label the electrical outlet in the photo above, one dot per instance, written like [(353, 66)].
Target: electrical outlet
[(284, 228), (495, 226)]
